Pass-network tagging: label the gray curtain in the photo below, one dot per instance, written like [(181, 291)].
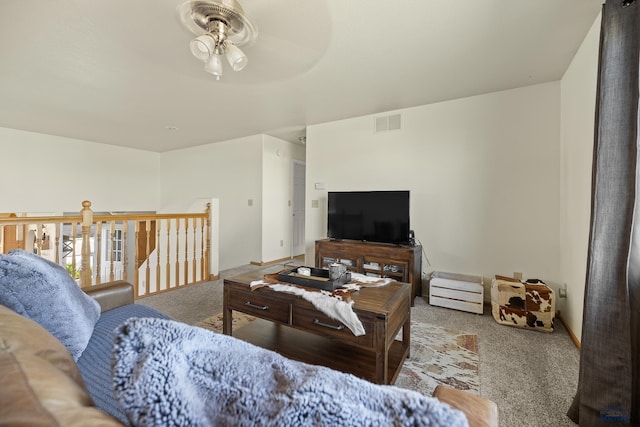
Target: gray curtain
[(608, 389)]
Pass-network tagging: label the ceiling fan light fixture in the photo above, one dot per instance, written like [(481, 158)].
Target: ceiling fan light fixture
[(236, 57), (202, 47), (220, 26), (214, 66)]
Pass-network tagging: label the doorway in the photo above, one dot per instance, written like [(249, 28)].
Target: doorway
[(298, 208)]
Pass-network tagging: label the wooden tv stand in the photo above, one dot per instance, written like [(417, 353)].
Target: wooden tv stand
[(403, 263)]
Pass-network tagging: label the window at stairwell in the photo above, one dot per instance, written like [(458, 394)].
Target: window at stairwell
[(116, 241)]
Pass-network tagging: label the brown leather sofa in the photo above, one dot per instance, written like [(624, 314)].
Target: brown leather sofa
[(40, 384), (480, 412)]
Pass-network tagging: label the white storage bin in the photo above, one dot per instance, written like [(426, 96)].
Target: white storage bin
[(457, 291)]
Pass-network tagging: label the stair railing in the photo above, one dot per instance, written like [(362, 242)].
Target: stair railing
[(170, 250)]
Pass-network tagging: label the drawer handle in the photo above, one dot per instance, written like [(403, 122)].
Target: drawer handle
[(319, 323), (259, 307)]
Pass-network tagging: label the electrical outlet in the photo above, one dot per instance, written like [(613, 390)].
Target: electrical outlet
[(250, 202), (562, 292), (281, 243)]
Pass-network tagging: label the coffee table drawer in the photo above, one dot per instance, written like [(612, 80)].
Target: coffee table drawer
[(313, 320), (260, 306)]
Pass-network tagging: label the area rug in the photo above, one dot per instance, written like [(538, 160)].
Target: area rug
[(438, 356), (214, 323)]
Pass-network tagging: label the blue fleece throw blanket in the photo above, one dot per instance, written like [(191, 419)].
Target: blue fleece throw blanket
[(171, 374), (44, 292), (95, 362)]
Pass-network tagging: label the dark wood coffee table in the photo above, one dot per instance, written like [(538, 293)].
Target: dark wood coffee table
[(294, 328)]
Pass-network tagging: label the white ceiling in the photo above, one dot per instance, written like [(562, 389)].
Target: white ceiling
[(120, 71)]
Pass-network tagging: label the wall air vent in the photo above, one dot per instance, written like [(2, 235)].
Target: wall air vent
[(387, 123)]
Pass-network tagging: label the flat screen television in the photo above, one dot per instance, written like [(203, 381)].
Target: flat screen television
[(374, 216)]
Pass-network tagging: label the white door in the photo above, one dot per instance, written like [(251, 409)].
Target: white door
[(297, 201)]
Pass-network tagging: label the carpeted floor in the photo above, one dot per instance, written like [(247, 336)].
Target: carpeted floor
[(532, 376)]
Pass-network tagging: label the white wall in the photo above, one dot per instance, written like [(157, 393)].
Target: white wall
[(235, 172), (45, 173), (578, 113), (230, 171), (483, 174), (277, 167), (50, 174)]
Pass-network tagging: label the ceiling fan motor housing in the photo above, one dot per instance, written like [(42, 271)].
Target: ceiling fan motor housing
[(225, 17)]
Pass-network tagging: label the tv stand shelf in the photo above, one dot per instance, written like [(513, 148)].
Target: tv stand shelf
[(402, 263)]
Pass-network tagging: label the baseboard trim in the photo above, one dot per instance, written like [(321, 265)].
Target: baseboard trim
[(275, 261), (573, 336), (213, 277)]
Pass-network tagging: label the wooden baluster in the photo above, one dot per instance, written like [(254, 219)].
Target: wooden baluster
[(158, 224), (58, 228), (98, 252), (177, 252), (208, 235), (125, 259), (136, 283), (87, 220), (186, 251), (112, 254), (168, 266), (147, 254)]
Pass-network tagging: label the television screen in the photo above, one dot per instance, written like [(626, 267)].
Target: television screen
[(374, 216)]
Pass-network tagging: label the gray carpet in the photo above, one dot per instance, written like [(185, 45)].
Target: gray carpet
[(532, 376), (194, 302)]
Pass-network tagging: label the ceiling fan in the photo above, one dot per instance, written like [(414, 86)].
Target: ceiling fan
[(221, 26), (293, 36)]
